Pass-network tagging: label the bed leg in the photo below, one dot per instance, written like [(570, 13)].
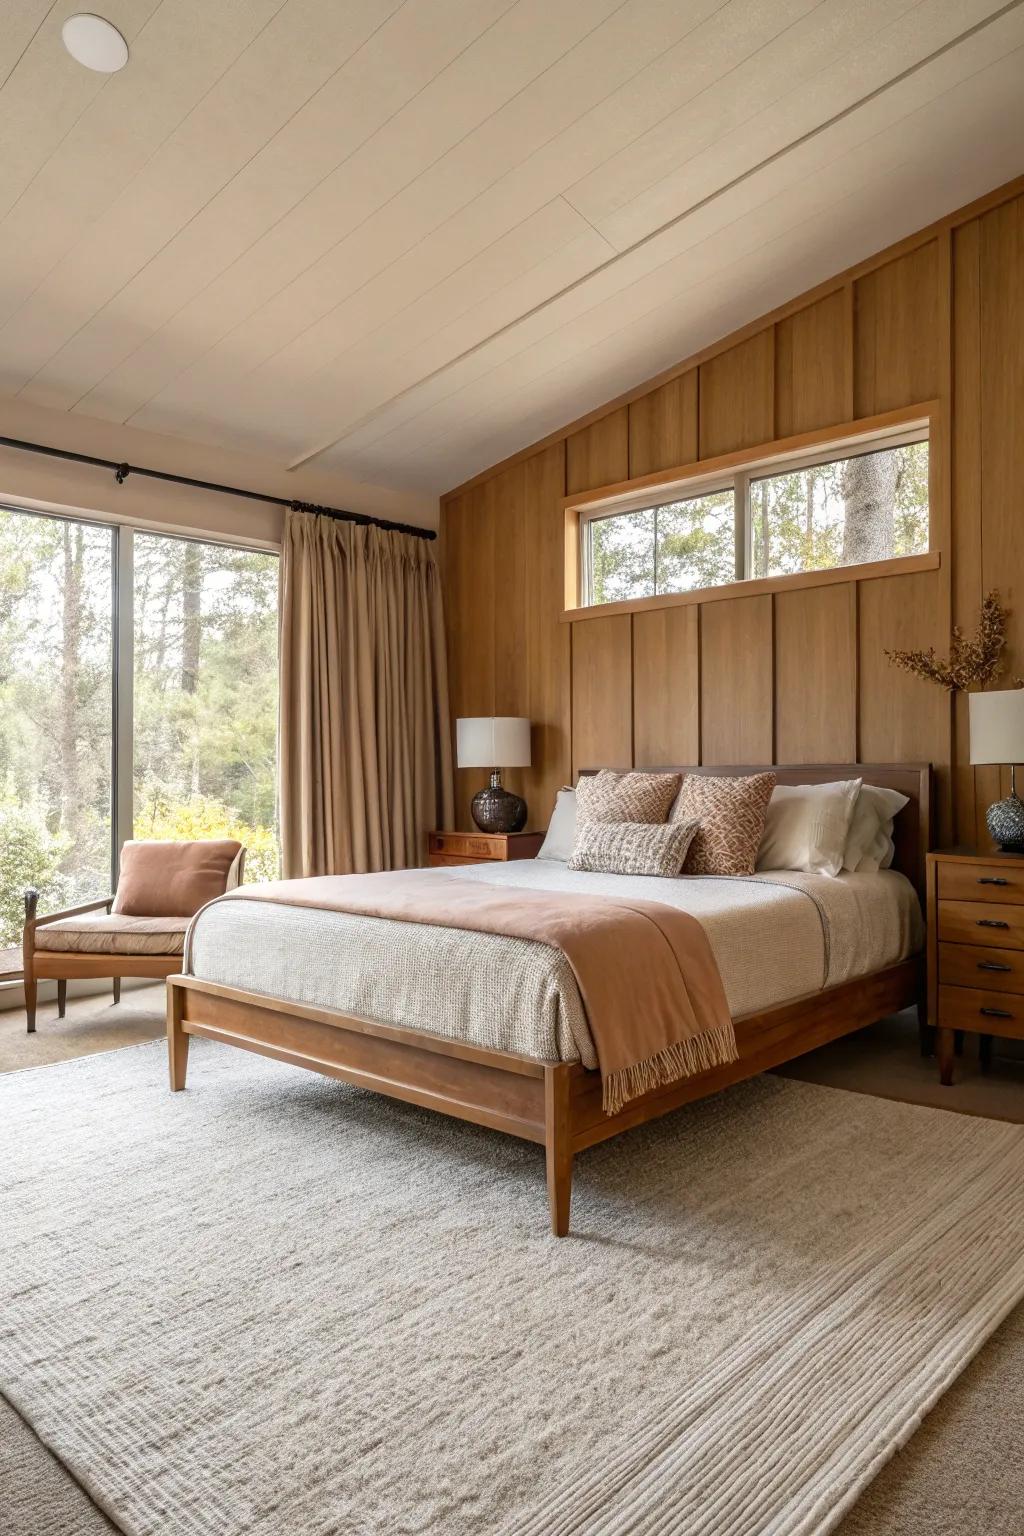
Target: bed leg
[(177, 1040), (925, 1031), (945, 1052), (558, 1145)]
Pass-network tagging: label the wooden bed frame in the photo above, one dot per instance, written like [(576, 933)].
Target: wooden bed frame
[(555, 1104)]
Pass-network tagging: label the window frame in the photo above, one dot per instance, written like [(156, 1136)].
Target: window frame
[(737, 477), (122, 601)]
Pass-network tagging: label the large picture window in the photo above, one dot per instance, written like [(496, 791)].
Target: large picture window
[(205, 695), (774, 519), (56, 712), (138, 697)]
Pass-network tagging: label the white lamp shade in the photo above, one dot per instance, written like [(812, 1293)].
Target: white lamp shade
[(492, 741), (997, 726)]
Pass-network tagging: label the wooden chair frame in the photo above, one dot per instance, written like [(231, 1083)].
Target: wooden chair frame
[(554, 1104), (63, 966)]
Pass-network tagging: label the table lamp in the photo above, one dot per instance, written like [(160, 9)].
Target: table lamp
[(997, 736), (495, 742)]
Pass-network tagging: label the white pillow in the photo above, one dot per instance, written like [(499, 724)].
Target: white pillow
[(869, 846), (561, 834), (807, 826)]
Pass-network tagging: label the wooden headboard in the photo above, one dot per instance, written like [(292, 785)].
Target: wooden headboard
[(913, 828)]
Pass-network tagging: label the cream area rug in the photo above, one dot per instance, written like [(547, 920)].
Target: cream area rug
[(273, 1304)]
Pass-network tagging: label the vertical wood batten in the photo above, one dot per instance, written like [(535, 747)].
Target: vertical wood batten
[(663, 427), (939, 317), (736, 651), (965, 454), (1002, 438), (811, 367), (602, 693), (816, 675), (737, 396), (548, 641), (666, 687)]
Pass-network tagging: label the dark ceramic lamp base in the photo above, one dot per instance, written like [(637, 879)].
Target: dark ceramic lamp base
[(1005, 822), (498, 810)]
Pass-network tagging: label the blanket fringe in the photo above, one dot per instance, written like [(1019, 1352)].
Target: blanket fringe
[(700, 1053)]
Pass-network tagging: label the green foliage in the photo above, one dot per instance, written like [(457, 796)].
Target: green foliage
[(185, 821), (798, 523), (799, 519), (696, 543), (674, 548), (205, 701), (30, 855)]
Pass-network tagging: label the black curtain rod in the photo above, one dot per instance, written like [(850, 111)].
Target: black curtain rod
[(122, 471)]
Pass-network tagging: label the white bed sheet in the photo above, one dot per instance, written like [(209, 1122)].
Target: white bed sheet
[(775, 937)]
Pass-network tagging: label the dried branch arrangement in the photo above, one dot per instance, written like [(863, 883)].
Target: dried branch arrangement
[(972, 662)]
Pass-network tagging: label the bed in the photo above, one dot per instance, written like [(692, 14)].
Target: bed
[(492, 1029)]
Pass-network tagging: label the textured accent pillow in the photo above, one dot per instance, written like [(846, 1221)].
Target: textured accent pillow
[(807, 826), (561, 834), (609, 796), (173, 879), (869, 845), (632, 847), (731, 813)]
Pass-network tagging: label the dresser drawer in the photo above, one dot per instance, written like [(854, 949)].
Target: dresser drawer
[(980, 882), (986, 1013), (971, 965), (971, 922), (463, 845)]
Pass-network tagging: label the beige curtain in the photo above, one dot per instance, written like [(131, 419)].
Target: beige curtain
[(365, 740)]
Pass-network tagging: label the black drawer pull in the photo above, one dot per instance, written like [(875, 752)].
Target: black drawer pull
[(995, 1013), (993, 965), (992, 880), (992, 922)]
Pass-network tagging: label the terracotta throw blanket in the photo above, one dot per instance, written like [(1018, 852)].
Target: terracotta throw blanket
[(649, 983)]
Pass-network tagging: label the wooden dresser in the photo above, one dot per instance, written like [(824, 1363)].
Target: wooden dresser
[(478, 847), (975, 949)]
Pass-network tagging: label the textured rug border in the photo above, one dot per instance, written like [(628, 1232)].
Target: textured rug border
[(873, 1266), (77, 1478)]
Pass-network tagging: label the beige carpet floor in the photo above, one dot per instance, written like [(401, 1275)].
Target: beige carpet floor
[(960, 1473), (92, 1024)]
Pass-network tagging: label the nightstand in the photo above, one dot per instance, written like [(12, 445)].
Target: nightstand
[(975, 949), (478, 847)]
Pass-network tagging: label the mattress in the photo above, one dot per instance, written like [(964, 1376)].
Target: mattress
[(774, 936)]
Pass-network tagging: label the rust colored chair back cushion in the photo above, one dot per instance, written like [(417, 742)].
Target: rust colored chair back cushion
[(173, 879)]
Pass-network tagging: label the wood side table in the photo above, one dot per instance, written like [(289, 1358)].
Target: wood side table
[(454, 848), (975, 949)]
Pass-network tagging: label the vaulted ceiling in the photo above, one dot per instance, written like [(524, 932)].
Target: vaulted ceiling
[(400, 239)]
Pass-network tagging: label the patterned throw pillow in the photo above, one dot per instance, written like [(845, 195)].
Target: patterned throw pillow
[(608, 796), (731, 813), (632, 848)]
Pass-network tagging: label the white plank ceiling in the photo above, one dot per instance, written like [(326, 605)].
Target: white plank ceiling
[(401, 239)]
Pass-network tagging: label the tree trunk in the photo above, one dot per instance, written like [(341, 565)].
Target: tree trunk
[(192, 597), (760, 560), (71, 646), (869, 491)]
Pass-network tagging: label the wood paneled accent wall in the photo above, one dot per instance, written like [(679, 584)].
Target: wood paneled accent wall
[(785, 676)]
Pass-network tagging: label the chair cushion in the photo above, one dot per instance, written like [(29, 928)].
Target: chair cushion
[(173, 879), (97, 934)]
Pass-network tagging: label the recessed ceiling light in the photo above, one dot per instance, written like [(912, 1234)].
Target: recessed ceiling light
[(95, 43)]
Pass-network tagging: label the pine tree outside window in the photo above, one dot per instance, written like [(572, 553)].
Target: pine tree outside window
[(775, 518), (138, 698)]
